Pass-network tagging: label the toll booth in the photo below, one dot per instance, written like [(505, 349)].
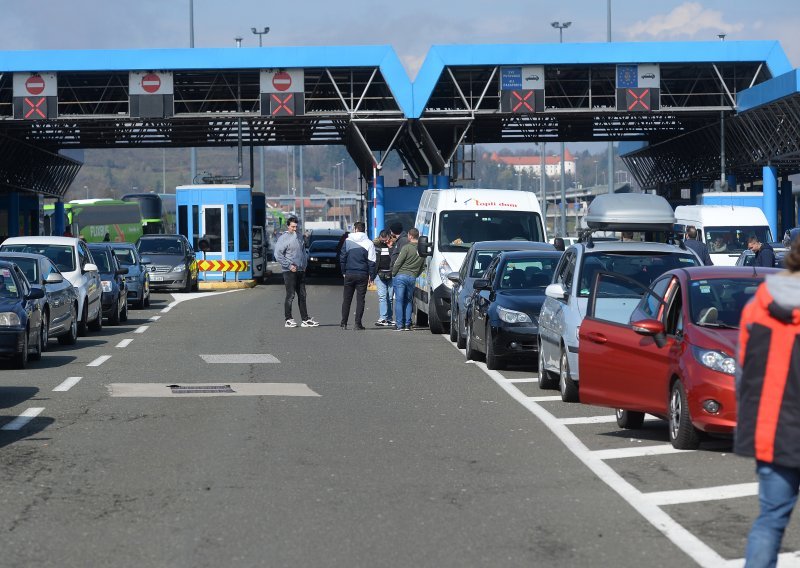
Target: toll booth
[(218, 220)]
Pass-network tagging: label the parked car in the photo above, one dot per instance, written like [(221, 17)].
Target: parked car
[(565, 306), (60, 303), (672, 354), (137, 281), (73, 259), (748, 257), (324, 235), (112, 276), (173, 262), (20, 316), (476, 262), (322, 257), (502, 320)]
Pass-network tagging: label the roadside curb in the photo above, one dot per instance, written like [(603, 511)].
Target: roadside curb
[(213, 285)]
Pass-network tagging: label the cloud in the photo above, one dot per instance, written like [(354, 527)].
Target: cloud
[(687, 20)]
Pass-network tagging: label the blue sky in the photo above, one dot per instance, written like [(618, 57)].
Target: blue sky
[(410, 26)]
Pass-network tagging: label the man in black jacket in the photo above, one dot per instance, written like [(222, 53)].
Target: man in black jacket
[(400, 240), (765, 255), (698, 247), (359, 268)]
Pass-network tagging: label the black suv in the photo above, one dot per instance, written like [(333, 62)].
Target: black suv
[(173, 265)]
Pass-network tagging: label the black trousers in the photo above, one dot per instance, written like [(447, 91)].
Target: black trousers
[(354, 283), (295, 283)]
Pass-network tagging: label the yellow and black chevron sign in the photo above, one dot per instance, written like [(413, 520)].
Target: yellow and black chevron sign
[(222, 265)]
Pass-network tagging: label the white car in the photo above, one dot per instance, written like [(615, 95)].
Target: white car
[(567, 296), (73, 259)]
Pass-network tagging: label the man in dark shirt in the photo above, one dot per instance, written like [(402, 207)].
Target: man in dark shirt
[(765, 256), (698, 247)]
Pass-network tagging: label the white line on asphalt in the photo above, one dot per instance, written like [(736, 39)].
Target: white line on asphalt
[(525, 380), (68, 384), (240, 358), (679, 496), (141, 329), (699, 551), (637, 452), (21, 420), (540, 398), (155, 318), (124, 343), (99, 361), (595, 419), (168, 308)]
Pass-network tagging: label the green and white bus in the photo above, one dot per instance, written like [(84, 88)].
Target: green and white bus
[(93, 219)]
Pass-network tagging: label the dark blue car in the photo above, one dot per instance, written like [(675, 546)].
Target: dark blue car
[(20, 316), (115, 293)]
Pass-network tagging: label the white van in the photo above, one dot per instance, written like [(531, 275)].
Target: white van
[(724, 228), (449, 221)]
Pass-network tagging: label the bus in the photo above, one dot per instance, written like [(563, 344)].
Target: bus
[(158, 211), (93, 219)]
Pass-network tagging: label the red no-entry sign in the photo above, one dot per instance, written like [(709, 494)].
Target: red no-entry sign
[(282, 81), (151, 83), (35, 84)]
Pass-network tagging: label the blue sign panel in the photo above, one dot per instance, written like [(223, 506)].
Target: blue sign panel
[(510, 78), (627, 76)]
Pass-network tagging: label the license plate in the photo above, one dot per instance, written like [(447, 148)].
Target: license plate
[(157, 278), (328, 265)]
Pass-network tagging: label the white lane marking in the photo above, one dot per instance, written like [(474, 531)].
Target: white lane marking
[(99, 361), (525, 380), (596, 419), (179, 297), (20, 421), (124, 343), (168, 308), (679, 496), (141, 329), (155, 318), (150, 390), (640, 451), (68, 384), (540, 398), (699, 551), (241, 358)]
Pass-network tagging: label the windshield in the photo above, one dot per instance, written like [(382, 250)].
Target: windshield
[(323, 246), (460, 229), (160, 246), (8, 286), (125, 256), (102, 260), (719, 302), (61, 255), (528, 273), (733, 240), (644, 267)]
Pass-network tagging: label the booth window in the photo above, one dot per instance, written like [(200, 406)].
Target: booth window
[(183, 220), (231, 228), (195, 227), (244, 228), (213, 228)]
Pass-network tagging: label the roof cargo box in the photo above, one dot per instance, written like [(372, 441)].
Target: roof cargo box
[(630, 212)]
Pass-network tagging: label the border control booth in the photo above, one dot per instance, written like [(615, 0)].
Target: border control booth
[(218, 221)]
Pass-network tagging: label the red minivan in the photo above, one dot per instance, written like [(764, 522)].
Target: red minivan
[(667, 350)]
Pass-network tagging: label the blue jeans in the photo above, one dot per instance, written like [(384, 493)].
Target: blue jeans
[(385, 295), (777, 494), (403, 296)]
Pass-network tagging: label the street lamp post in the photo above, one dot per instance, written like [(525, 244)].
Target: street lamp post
[(261, 148), (560, 27), (595, 173)]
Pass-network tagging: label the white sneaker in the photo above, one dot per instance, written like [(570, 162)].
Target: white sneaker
[(290, 323), (310, 322)]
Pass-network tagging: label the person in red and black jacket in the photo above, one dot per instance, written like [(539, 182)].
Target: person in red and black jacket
[(768, 404)]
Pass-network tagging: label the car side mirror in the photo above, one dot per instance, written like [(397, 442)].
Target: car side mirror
[(122, 270), (145, 260), (54, 278), (35, 294), (454, 277), (555, 291), (651, 328), (481, 284), (423, 247), (89, 267)]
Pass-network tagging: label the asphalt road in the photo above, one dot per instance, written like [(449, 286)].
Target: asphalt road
[(403, 454)]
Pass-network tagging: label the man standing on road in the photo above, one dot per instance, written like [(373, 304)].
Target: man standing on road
[(290, 252), (359, 268), (400, 240), (768, 402), (698, 247), (383, 246), (765, 256), (407, 267)]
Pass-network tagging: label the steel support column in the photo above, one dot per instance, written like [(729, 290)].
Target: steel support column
[(770, 174)]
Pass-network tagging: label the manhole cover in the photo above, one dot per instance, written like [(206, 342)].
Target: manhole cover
[(200, 389)]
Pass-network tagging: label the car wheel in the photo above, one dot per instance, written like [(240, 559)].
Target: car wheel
[(434, 323), (21, 358), (37, 347), (45, 329), (568, 388), (493, 362), (472, 355), (461, 341), (115, 317), (196, 285), (124, 315), (420, 319), (629, 419), (146, 301), (454, 327), (71, 337), (83, 324), (188, 286), (546, 379), (97, 324), (682, 434)]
